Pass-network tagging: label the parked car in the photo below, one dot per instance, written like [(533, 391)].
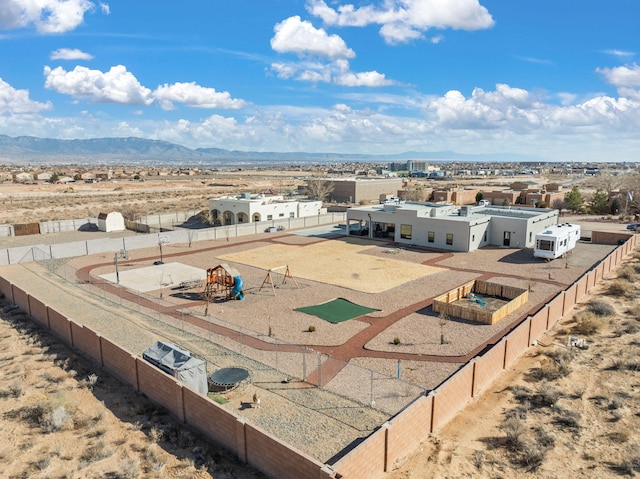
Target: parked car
[(633, 226)]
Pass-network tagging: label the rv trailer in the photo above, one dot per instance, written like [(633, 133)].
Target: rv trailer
[(557, 240)]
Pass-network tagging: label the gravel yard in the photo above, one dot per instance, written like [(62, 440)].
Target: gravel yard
[(321, 422)]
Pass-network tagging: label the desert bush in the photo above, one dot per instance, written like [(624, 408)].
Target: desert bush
[(153, 460), (95, 452), (16, 388), (628, 273), (513, 429), (547, 394), (478, 459), (532, 455), (396, 340), (58, 419), (155, 434), (601, 308), (311, 329), (555, 366), (631, 459), (587, 324), (619, 437), (620, 288), (129, 468), (567, 418)]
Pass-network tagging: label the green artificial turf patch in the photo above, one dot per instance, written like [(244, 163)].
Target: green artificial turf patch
[(337, 310)]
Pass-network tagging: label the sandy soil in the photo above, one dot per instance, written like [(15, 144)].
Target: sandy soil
[(62, 417), (584, 423)]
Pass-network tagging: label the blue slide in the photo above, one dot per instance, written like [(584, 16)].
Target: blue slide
[(236, 291)]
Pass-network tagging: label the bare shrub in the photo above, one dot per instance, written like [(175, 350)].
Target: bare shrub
[(513, 428), (478, 459), (601, 308), (587, 324), (628, 273), (129, 468), (631, 461), (620, 288), (95, 452), (155, 434), (547, 394), (16, 388), (567, 418), (58, 419), (619, 437)]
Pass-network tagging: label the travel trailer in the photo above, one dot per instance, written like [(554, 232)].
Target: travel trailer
[(557, 240)]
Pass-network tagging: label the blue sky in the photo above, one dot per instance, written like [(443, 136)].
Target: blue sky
[(556, 79)]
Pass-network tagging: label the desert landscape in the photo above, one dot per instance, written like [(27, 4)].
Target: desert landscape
[(496, 446)]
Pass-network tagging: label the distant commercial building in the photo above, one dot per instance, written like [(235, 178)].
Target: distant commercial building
[(447, 227), (249, 208), (356, 190)]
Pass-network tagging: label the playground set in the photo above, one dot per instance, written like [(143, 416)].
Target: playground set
[(223, 280)]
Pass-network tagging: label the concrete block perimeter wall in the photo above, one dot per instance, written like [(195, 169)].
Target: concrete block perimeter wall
[(382, 451)]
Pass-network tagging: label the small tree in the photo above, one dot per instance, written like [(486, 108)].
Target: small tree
[(54, 178), (319, 189), (479, 196), (615, 206), (599, 202), (559, 205), (574, 199)]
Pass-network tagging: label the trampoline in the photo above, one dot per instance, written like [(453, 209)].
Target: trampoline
[(229, 378)]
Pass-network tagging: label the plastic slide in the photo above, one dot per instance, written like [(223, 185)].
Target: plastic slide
[(236, 291)]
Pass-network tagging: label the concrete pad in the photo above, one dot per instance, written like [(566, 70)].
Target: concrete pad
[(337, 262), (155, 277)]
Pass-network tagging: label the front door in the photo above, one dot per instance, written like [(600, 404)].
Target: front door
[(507, 238)]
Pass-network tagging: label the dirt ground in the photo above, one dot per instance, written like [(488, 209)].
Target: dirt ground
[(558, 412), (61, 417), (582, 421)]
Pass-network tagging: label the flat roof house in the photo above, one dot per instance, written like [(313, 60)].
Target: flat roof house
[(447, 227), (251, 208)]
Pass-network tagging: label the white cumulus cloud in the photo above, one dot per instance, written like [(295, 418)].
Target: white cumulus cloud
[(48, 16), (17, 102), (70, 54), (294, 35), (405, 20), (196, 96), (114, 86), (624, 76)]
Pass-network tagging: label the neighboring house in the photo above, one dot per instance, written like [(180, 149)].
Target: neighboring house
[(356, 190), (451, 228), (22, 177), (248, 208)]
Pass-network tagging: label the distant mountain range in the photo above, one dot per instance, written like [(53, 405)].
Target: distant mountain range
[(29, 149)]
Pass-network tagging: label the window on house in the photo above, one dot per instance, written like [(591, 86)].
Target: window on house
[(292, 214), (405, 231), (431, 236), (450, 238), (473, 237), (269, 217), (485, 236), (530, 236), (281, 215)]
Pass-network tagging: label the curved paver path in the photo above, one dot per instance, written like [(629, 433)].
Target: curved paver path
[(345, 352)]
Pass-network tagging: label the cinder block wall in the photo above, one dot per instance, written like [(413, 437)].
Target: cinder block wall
[(381, 451)]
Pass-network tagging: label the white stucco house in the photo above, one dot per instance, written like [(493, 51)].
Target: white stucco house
[(252, 208), (447, 227)]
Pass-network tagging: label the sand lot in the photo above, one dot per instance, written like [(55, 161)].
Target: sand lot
[(338, 262)]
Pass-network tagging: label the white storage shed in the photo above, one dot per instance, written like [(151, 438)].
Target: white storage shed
[(113, 221)]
